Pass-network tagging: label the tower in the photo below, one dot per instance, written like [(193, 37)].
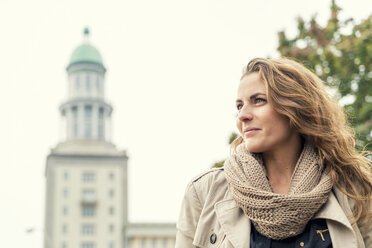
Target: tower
[(86, 175)]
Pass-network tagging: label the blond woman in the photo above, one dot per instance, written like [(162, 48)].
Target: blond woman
[(294, 177)]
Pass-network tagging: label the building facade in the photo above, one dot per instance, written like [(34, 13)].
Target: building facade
[(86, 175)]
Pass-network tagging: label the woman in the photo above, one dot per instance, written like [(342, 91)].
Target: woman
[(294, 177)]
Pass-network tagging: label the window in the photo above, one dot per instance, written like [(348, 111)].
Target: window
[(142, 243), (88, 196), (88, 245), (128, 242), (75, 121), (88, 121), (89, 193), (111, 228), (111, 176), (88, 229), (64, 228), (88, 88), (165, 243), (65, 193), (88, 210), (97, 85), (111, 193), (65, 210), (101, 123), (77, 84), (88, 177), (153, 243), (65, 176), (111, 211)]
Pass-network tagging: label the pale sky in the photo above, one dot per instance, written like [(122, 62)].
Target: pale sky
[(173, 69)]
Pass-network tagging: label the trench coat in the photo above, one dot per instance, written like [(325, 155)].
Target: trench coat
[(210, 217)]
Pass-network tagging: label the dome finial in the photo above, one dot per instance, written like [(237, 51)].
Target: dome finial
[(86, 33)]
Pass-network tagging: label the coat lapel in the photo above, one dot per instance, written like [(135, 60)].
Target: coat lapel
[(234, 223)]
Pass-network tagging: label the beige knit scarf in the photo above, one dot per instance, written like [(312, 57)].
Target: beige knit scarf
[(278, 216)]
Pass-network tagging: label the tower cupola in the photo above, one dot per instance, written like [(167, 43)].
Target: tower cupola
[(86, 53), (87, 115)]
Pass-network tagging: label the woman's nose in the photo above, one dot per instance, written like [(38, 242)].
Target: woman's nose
[(245, 115)]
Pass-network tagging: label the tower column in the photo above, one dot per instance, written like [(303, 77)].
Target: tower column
[(80, 122), (69, 123), (95, 109), (107, 126)]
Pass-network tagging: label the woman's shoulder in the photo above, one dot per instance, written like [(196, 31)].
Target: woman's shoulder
[(197, 215), (209, 183), (209, 176)]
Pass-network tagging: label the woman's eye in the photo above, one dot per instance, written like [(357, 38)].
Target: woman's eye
[(259, 100), (239, 106)]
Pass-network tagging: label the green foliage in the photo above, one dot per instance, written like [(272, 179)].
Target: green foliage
[(340, 53), (232, 137), (218, 164)]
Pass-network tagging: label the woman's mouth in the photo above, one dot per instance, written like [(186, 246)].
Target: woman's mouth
[(249, 131)]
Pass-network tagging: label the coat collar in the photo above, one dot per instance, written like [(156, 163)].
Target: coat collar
[(331, 210), (340, 229), (234, 223)]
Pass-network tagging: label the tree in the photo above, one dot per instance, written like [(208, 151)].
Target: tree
[(340, 53)]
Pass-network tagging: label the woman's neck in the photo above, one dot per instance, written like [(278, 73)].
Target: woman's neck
[(280, 164)]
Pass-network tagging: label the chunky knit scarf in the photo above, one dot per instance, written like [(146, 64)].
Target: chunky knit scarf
[(278, 216)]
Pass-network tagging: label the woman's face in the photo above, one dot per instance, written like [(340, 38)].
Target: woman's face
[(262, 128)]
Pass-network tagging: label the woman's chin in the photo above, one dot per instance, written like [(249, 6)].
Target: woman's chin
[(253, 147)]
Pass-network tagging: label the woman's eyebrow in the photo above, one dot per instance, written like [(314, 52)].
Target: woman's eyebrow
[(251, 97), (257, 94)]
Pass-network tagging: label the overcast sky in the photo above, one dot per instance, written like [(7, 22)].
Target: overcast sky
[(173, 69)]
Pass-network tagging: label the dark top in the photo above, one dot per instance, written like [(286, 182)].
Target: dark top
[(315, 235)]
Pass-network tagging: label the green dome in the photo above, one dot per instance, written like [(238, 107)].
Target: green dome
[(86, 53)]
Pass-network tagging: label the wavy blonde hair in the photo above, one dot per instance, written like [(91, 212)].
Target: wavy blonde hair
[(296, 92)]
